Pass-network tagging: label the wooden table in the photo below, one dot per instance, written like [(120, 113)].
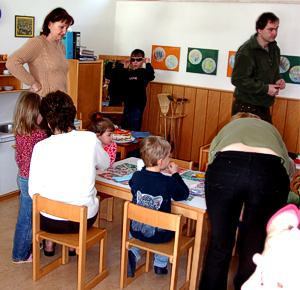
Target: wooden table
[(195, 209), (125, 148)]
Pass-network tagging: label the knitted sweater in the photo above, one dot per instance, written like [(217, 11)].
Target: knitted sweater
[(46, 61)]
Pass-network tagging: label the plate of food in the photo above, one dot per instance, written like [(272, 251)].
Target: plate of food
[(125, 140), (122, 136)]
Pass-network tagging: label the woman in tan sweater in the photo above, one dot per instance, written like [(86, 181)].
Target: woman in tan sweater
[(45, 56)]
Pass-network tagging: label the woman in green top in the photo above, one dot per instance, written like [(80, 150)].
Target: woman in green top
[(248, 167)]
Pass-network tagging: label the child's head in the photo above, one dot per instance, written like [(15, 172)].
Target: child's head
[(103, 127), (155, 151), (27, 113), (59, 111), (278, 266), (137, 58)]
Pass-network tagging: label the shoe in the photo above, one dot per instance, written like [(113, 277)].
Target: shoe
[(48, 253), (161, 271), (131, 264), (72, 253), (28, 260)]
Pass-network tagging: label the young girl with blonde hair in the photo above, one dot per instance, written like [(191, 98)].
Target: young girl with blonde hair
[(27, 131)]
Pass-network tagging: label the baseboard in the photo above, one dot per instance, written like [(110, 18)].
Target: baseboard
[(9, 195)]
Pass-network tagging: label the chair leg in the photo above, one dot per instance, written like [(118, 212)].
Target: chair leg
[(36, 255), (174, 272), (81, 269), (189, 264), (102, 254), (190, 227), (149, 258), (65, 255), (124, 261)]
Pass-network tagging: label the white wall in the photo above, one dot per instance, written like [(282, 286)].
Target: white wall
[(222, 26), (93, 18)]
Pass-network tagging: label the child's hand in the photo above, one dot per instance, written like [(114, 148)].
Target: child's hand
[(147, 60), (126, 63), (173, 167)]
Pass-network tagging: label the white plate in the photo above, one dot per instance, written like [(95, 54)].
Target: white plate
[(124, 141)]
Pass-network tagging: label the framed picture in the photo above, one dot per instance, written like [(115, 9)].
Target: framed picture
[(24, 26)]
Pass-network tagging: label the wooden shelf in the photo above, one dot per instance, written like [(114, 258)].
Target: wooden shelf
[(85, 81), (12, 91), (8, 80)]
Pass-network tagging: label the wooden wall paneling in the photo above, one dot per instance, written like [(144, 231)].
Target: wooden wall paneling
[(213, 108), (177, 92), (225, 109), (298, 146), (292, 125), (279, 114), (146, 111), (199, 122), (154, 110), (185, 141), (212, 115), (89, 79)]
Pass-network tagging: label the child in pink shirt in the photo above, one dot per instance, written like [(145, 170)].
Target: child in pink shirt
[(27, 131), (104, 129)]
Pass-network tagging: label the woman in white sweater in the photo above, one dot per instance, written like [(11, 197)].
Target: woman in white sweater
[(63, 166)]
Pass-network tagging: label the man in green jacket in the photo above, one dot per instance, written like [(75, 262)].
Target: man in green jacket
[(256, 70)]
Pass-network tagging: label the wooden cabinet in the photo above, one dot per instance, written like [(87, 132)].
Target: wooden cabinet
[(8, 80), (85, 81), (110, 110)]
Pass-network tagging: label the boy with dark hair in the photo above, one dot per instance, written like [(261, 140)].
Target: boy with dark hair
[(151, 189), (128, 82), (136, 81)]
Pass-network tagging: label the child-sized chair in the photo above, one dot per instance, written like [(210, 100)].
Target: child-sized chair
[(190, 224), (173, 249), (81, 241), (182, 163)]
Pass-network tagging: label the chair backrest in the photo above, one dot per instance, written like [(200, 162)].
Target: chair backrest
[(295, 183), (59, 209), (163, 220), (182, 163)]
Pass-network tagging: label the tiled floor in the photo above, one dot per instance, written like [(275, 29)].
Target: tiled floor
[(19, 277)]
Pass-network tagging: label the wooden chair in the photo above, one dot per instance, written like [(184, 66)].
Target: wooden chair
[(173, 249), (203, 157), (81, 241), (182, 163), (295, 183), (190, 224)]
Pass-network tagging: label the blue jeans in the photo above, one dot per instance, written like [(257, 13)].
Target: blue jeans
[(23, 232), (132, 118), (260, 183), (159, 260)]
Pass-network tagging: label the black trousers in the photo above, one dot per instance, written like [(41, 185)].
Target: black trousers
[(262, 112), (62, 226), (261, 184)]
